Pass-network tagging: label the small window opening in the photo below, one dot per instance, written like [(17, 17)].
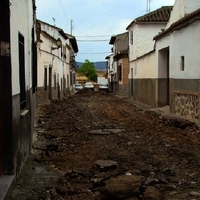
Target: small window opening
[(182, 63)]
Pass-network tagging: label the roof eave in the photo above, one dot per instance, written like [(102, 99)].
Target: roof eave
[(74, 44), (112, 40), (131, 24), (63, 34), (181, 22)]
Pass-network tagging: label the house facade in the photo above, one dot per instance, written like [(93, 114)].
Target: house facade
[(56, 62), (119, 79), (18, 79), (177, 58), (110, 71), (142, 73), (73, 50)]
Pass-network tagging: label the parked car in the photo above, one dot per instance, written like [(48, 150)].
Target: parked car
[(89, 86), (103, 87), (78, 87)]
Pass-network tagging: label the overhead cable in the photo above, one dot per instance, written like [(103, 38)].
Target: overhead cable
[(95, 53), (92, 40)]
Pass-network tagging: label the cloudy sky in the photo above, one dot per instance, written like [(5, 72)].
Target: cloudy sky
[(94, 21)]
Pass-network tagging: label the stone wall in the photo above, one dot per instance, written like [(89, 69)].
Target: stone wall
[(186, 104), (185, 99)]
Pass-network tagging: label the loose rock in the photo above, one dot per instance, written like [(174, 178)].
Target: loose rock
[(151, 193), (123, 186)]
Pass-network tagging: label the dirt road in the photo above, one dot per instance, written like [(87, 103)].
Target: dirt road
[(98, 146)]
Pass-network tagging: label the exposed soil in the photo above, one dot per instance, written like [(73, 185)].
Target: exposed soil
[(86, 140)]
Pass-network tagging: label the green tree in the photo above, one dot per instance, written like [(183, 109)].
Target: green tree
[(88, 69)]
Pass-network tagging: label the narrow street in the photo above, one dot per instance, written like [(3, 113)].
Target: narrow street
[(94, 145)]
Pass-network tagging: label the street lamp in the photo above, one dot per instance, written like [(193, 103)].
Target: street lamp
[(58, 43)]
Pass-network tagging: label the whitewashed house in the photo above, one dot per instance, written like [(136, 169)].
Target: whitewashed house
[(17, 86), (110, 70), (177, 60), (73, 50), (142, 72), (119, 81), (56, 62)]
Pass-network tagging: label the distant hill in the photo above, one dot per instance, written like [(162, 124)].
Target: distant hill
[(100, 66)]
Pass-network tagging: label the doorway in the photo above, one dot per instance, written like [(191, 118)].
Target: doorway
[(163, 77)]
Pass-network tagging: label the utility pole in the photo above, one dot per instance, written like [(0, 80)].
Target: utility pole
[(72, 26), (148, 6)]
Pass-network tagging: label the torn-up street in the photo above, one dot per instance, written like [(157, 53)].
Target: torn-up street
[(94, 145)]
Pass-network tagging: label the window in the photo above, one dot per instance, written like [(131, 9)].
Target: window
[(131, 37), (22, 71), (45, 78), (182, 63)]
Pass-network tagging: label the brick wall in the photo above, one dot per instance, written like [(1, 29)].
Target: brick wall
[(125, 69)]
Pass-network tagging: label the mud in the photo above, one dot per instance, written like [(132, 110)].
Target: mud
[(86, 143)]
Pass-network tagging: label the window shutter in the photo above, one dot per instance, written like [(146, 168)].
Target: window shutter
[(131, 37)]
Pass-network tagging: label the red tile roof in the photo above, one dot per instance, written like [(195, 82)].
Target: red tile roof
[(160, 15), (183, 22)]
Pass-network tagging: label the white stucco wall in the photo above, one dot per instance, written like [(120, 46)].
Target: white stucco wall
[(185, 43), (110, 62), (181, 43), (143, 39), (132, 47), (160, 46), (162, 43), (21, 21), (110, 66), (144, 67), (52, 58), (181, 8)]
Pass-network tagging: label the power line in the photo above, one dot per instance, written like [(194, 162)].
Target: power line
[(95, 35), (62, 7), (72, 26), (84, 34), (95, 53), (92, 40)]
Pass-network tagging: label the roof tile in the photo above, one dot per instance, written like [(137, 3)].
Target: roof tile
[(160, 15)]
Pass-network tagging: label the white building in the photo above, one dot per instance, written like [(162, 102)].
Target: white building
[(56, 67), (17, 85), (111, 70), (178, 60), (142, 73), (119, 79)]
